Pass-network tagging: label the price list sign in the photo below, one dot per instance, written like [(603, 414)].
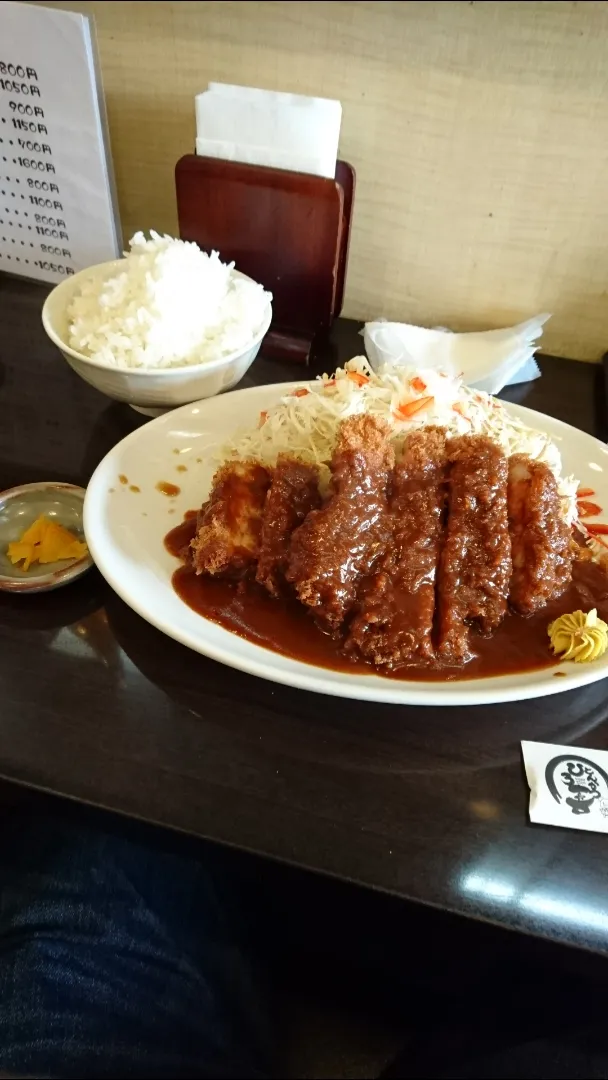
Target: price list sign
[(57, 204)]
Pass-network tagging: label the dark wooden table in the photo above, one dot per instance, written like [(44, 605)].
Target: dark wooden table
[(430, 804)]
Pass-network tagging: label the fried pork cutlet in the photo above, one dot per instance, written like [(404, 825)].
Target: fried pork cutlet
[(228, 530), (338, 544), (294, 492), (475, 566), (395, 611), (540, 538)]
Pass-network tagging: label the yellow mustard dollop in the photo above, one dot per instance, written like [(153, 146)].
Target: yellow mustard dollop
[(581, 636)]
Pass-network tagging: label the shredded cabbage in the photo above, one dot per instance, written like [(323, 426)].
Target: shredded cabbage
[(305, 422)]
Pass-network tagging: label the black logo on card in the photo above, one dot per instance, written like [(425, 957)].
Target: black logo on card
[(578, 782)]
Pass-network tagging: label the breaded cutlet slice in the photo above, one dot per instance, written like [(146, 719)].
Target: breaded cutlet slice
[(540, 538), (394, 621), (475, 568), (338, 544), (294, 492), (228, 531)]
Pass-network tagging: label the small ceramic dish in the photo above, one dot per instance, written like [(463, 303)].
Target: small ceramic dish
[(19, 508)]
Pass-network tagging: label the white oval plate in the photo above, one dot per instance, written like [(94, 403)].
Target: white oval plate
[(125, 531)]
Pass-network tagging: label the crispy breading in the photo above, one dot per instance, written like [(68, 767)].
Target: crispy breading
[(394, 620), (475, 567), (540, 538), (294, 492), (228, 531), (338, 544)]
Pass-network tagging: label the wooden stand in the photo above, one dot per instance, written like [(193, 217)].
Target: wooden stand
[(290, 231)]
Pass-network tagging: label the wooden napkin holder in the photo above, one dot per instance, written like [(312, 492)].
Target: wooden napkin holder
[(288, 230)]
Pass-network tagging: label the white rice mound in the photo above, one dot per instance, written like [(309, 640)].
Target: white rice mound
[(169, 305), (305, 422)]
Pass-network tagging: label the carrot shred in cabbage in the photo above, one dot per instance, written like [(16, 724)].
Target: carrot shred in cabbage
[(358, 378), (410, 408), (588, 509)]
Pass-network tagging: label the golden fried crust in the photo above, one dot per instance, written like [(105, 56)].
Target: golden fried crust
[(542, 555), (366, 434), (394, 621), (227, 539), (293, 494), (339, 543), (475, 565)]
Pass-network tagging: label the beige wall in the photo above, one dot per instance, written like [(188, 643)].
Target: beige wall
[(479, 132)]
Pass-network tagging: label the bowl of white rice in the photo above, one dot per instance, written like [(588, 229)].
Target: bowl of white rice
[(162, 327)]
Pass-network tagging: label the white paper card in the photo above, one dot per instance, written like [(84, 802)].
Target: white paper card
[(264, 127), (568, 785), (57, 210)]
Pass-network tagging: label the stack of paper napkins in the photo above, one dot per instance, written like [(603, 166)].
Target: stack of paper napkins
[(487, 360), (261, 127)]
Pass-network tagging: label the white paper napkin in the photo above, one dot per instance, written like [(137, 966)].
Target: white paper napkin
[(487, 360), (568, 785), (263, 127)]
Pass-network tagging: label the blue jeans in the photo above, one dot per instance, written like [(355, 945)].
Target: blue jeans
[(120, 959)]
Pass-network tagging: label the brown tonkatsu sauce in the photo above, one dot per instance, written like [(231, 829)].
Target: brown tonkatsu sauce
[(519, 644), (166, 488)]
